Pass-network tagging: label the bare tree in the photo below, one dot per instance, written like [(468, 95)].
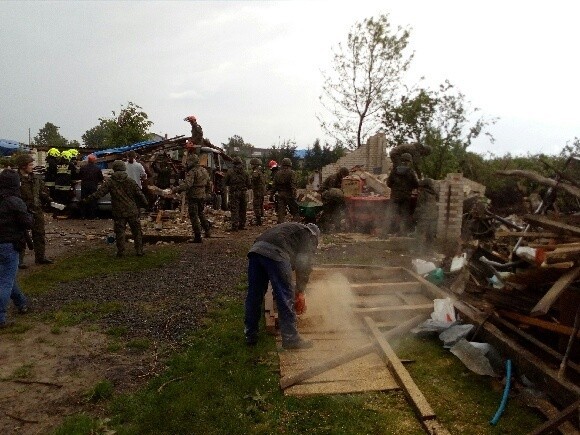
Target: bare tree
[(367, 72)]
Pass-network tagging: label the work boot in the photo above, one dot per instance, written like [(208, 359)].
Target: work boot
[(22, 266), (120, 254), (242, 227), (197, 238), (207, 234), (233, 229), (140, 254), (7, 324), (44, 261), (298, 344), (23, 309), (258, 221)]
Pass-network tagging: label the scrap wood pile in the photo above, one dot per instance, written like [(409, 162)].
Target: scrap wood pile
[(526, 276)]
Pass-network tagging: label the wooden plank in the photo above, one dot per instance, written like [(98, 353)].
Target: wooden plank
[(561, 417), (535, 342), (560, 255), (374, 288), (412, 391), (544, 304), (317, 369), (528, 234), (550, 411), (543, 324), (396, 309), (553, 225)]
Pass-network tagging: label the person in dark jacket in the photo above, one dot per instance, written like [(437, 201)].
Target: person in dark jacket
[(197, 188), (402, 180), (15, 220), (34, 194), (333, 203), (274, 254), (91, 176), (238, 181), (285, 187), (126, 197), (196, 130), (66, 173)]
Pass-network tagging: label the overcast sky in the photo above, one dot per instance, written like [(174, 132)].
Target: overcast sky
[(253, 69)]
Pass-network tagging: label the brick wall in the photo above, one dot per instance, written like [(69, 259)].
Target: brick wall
[(451, 194), (372, 156)]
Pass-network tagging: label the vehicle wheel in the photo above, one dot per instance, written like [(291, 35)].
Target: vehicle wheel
[(225, 200)]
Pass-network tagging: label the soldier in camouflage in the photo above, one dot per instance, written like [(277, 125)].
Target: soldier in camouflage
[(238, 181), (34, 194), (285, 186), (258, 181), (402, 180), (416, 150), (126, 197), (197, 187), (196, 130)]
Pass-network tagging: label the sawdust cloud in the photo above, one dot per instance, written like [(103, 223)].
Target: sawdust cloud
[(330, 303)]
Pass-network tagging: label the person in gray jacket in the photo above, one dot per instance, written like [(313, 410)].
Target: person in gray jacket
[(275, 253)]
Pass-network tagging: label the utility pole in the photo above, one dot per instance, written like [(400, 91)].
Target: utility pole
[(28, 137)]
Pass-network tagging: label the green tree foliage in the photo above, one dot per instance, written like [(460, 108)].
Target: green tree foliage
[(286, 148), (237, 146), (49, 136), (442, 119), (94, 137), (131, 125), (319, 156), (366, 74)]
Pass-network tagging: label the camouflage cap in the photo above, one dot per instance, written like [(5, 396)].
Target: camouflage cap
[(118, 165), (237, 160), (286, 162), (406, 157), (343, 172), (255, 162)]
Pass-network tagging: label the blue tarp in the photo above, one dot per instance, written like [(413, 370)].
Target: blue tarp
[(126, 148), (9, 147)]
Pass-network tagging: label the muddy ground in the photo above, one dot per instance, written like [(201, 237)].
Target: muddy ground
[(46, 373)]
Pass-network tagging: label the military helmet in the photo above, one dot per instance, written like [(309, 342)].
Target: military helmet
[(255, 162), (53, 152), (237, 160), (343, 171), (406, 157), (425, 149), (286, 162), (118, 165), (21, 160), (193, 160)]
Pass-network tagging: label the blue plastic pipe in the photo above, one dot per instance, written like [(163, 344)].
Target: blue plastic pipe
[(506, 392)]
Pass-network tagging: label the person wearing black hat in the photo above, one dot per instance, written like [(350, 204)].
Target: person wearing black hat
[(15, 220)]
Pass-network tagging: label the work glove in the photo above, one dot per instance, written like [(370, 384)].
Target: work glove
[(300, 303), (271, 198), (166, 192)]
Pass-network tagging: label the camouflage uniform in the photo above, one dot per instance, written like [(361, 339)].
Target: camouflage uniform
[(66, 173), (285, 186), (402, 180), (196, 133), (196, 186), (416, 150), (238, 181), (34, 194), (258, 181), (126, 197)]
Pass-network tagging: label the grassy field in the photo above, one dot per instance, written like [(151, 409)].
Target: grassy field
[(220, 386)]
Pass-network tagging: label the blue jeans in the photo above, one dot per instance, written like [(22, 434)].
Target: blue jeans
[(262, 270), (9, 289)]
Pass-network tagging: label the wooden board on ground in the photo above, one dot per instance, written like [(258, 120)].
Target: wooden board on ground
[(367, 373)]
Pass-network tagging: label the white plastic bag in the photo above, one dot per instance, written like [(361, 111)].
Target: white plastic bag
[(423, 267), (443, 310), (458, 262)]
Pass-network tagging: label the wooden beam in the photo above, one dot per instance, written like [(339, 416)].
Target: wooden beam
[(403, 328), (560, 255), (528, 234), (396, 309), (544, 324), (553, 423), (544, 304), (545, 222), (535, 342), (374, 288), (404, 379)]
